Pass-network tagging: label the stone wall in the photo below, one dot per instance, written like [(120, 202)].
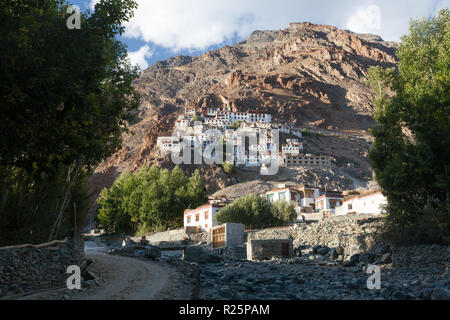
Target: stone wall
[(28, 268), (354, 234), (174, 236)]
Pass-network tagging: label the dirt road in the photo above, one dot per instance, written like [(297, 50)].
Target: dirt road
[(123, 278)]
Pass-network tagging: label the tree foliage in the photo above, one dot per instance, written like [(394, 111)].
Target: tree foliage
[(228, 167), (67, 96), (412, 139), (153, 199), (235, 125), (257, 212)]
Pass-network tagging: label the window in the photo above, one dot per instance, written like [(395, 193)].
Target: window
[(188, 219), (206, 215), (197, 217), (350, 207), (206, 226)]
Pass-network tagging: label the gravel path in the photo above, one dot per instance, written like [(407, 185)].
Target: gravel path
[(123, 278)]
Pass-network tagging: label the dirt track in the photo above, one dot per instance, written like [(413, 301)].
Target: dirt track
[(123, 278)]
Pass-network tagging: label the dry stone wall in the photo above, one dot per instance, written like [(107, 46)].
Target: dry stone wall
[(28, 268), (353, 234), (172, 237)]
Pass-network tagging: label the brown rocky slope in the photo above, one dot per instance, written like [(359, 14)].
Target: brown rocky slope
[(307, 75)]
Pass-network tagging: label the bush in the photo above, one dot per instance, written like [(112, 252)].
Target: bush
[(235, 125), (228, 167), (257, 212), (432, 226), (198, 118)]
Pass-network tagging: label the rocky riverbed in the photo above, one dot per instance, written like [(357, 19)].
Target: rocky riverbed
[(330, 262), (315, 277)]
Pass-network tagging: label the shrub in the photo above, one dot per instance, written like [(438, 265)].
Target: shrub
[(228, 167), (257, 212)]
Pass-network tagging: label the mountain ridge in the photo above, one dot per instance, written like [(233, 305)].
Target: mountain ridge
[(309, 75)]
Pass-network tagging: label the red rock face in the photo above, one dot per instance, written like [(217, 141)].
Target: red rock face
[(306, 74)]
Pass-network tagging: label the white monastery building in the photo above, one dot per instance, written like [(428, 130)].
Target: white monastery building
[(203, 216), (372, 203)]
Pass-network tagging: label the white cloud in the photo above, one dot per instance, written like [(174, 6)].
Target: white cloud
[(198, 24), (366, 20), (139, 57)]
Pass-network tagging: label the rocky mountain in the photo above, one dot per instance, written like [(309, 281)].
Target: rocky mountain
[(308, 75)]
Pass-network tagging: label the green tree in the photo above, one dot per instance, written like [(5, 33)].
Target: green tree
[(66, 98), (196, 191), (227, 167), (256, 212), (153, 199), (412, 139), (196, 117), (235, 125)]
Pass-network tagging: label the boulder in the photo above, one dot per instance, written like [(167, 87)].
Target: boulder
[(386, 258), (152, 252), (316, 248), (323, 251), (333, 254), (381, 249), (440, 294), (354, 259), (340, 251), (366, 257), (192, 254)]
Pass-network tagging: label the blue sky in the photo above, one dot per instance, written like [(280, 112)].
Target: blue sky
[(165, 28)]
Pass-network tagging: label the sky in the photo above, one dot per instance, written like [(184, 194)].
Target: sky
[(162, 29)]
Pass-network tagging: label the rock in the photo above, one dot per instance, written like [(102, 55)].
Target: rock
[(386, 258), (355, 283), (227, 278), (333, 254), (426, 293), (225, 294), (323, 251), (212, 258), (275, 288), (152, 252), (316, 248), (440, 294), (381, 249), (354, 259), (415, 282), (366, 257), (139, 252), (208, 273), (398, 295), (386, 293)]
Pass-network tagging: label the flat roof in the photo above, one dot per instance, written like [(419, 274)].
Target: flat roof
[(280, 189), (206, 205), (361, 196), (329, 196)]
